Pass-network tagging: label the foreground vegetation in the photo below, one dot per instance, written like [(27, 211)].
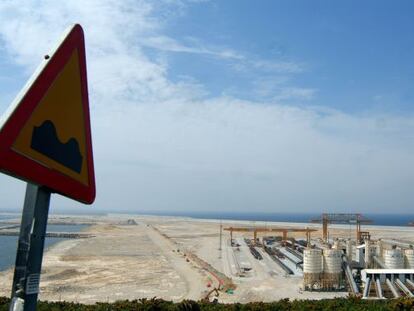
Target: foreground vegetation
[(285, 304)]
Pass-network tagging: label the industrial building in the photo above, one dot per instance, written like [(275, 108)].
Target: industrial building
[(372, 269)]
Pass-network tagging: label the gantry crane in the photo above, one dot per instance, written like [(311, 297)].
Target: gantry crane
[(343, 218), (256, 230)]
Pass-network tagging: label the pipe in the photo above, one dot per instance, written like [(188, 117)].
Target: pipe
[(411, 283), (392, 288), (367, 288), (404, 288), (379, 289), (349, 276)]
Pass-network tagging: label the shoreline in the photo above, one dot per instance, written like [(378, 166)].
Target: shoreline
[(88, 219), (55, 241), (166, 257)]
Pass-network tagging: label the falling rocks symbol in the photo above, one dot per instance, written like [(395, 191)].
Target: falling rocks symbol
[(45, 140)]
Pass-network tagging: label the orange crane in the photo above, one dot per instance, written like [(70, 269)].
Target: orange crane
[(256, 230), (343, 218)]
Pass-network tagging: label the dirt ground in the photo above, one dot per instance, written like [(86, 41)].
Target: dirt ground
[(151, 259)]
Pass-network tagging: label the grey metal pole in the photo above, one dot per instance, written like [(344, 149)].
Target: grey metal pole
[(37, 242), (221, 233), (24, 240), (27, 283)]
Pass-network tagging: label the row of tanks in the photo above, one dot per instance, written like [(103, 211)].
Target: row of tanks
[(325, 268), (394, 258), (397, 258), (322, 269)]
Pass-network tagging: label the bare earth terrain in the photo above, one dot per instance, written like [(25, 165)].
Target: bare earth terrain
[(171, 258)]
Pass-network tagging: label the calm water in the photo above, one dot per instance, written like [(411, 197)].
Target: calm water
[(377, 219), (8, 244)]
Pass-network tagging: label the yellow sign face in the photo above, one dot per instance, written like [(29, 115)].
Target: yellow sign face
[(54, 135)]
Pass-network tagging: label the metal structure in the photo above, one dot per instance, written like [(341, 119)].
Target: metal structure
[(342, 218), (368, 256), (323, 270), (364, 235), (30, 247), (332, 268), (349, 252), (53, 106), (394, 258), (45, 140), (388, 283), (312, 268), (409, 258), (349, 277), (221, 233), (256, 230)]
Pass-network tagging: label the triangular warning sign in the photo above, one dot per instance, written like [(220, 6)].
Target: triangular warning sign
[(45, 137)]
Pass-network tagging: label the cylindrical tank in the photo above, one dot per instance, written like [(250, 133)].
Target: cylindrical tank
[(332, 269), (367, 254), (312, 260), (349, 249), (409, 258), (332, 261), (394, 258), (379, 248), (312, 268)]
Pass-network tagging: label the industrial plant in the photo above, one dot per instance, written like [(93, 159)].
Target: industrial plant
[(358, 264), (226, 261)]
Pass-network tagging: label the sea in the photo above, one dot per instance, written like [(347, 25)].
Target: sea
[(8, 244), (377, 219)]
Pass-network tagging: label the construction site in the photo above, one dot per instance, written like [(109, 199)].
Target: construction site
[(372, 269), (175, 258)]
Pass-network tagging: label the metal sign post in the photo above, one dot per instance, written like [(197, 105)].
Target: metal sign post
[(46, 140), (30, 248)]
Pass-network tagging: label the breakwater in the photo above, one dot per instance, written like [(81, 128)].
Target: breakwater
[(62, 235)]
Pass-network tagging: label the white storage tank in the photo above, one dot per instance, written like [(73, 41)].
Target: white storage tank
[(312, 260), (349, 252), (332, 261), (367, 254), (312, 268), (379, 248), (394, 258), (332, 269), (409, 258)]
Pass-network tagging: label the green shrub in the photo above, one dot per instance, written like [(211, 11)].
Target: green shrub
[(339, 304)]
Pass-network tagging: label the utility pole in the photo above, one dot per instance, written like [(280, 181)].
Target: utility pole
[(221, 236)]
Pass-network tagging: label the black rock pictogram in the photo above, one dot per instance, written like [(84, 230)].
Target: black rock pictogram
[(46, 141)]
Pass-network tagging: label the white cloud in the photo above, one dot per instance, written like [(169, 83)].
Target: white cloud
[(165, 145), (165, 43), (277, 89), (286, 93), (279, 66)]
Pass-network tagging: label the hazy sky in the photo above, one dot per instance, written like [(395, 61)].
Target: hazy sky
[(267, 106)]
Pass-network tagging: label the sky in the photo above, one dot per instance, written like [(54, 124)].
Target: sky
[(233, 106)]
